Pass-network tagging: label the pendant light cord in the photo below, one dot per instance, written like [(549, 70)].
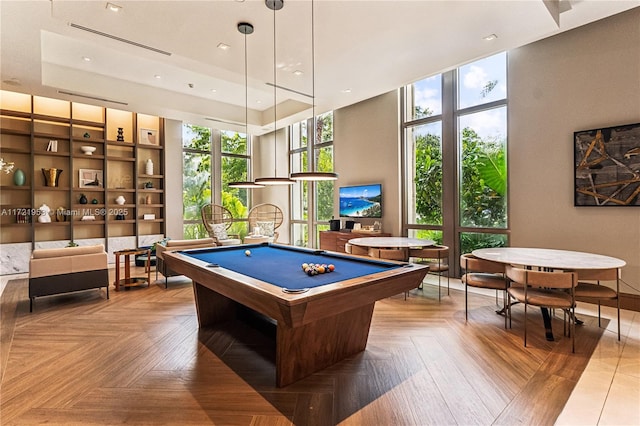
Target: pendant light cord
[(275, 102)]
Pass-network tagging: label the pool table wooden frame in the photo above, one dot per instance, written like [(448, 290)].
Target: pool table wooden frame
[(314, 329)]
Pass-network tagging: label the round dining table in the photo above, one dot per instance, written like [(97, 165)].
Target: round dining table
[(548, 259), (396, 248)]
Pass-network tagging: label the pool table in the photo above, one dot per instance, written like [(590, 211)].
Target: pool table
[(320, 319)]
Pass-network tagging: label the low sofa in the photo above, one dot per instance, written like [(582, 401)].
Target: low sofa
[(64, 270), (172, 245)]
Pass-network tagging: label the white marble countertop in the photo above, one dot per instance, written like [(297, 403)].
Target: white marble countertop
[(390, 242), (549, 258)]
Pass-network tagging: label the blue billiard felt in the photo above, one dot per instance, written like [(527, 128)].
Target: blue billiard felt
[(282, 266)]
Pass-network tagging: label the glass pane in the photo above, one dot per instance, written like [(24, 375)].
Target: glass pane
[(300, 235), (324, 126), (235, 200), (299, 135), (424, 168), (324, 200), (424, 98), (299, 200), (193, 231), (324, 159), (426, 234), (483, 175), (470, 241), (234, 143), (299, 161), (196, 137), (483, 81), (196, 183)]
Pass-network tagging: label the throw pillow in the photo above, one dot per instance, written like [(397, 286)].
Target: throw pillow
[(267, 229), (219, 231)]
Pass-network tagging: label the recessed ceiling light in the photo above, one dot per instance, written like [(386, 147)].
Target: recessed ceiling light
[(223, 46), (213, 90), (346, 91), (113, 7), (298, 72), (158, 76), (490, 37), (258, 101), (86, 59)]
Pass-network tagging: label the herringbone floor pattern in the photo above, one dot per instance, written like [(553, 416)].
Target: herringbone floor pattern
[(140, 359)]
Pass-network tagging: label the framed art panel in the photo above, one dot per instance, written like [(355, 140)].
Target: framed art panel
[(607, 166), (90, 178), (148, 137)]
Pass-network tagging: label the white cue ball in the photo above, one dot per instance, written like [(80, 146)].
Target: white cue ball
[(247, 252)]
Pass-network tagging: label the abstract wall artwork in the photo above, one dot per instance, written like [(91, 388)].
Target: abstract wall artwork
[(607, 166)]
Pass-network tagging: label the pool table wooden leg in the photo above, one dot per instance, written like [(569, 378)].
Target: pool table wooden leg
[(212, 307), (301, 351)]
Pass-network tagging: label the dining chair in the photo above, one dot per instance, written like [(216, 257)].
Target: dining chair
[(437, 258), (482, 273), (553, 290), (595, 291)]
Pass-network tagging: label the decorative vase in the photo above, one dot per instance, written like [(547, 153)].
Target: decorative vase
[(149, 167), (51, 176), (43, 214), (83, 199), (19, 178), (120, 200), (120, 137), (148, 199), (94, 201)]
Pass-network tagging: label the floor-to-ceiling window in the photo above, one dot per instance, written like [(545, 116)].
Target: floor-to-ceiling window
[(311, 201), (234, 167), (212, 159), (197, 166), (455, 146)]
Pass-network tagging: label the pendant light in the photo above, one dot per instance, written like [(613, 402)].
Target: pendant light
[(275, 180), (313, 176), (246, 29)]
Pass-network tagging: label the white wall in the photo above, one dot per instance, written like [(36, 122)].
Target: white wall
[(578, 80)]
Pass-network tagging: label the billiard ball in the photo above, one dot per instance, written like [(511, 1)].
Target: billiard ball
[(247, 252), (331, 267)]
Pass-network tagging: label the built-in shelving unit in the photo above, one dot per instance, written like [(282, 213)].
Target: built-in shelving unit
[(39, 134)]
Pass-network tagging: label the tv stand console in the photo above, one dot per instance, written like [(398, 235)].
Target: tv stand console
[(336, 240)]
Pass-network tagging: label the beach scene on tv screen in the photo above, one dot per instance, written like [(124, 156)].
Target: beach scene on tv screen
[(361, 201)]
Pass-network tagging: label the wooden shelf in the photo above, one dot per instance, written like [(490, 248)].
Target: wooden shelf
[(25, 137)]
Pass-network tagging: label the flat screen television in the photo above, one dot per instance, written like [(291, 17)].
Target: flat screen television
[(361, 201)]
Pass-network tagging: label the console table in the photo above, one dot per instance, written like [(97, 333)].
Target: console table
[(336, 240)]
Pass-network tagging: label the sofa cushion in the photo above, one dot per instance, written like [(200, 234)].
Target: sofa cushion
[(219, 231), (267, 228), (66, 251), (201, 242)]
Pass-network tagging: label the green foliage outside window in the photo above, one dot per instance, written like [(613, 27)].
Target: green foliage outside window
[(197, 175)]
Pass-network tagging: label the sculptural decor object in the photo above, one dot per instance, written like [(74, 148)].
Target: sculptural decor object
[(51, 176), (90, 178), (120, 137)]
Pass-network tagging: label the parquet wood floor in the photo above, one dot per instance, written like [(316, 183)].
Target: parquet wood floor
[(140, 359)]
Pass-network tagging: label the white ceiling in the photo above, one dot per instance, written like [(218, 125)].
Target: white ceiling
[(368, 47)]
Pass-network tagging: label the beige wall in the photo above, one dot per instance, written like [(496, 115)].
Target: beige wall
[(582, 79), (263, 166), (367, 150), (173, 178)]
